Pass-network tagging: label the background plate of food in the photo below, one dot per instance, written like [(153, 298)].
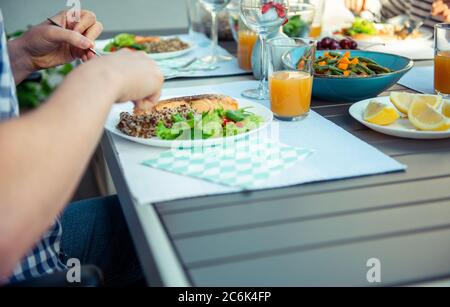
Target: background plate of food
[(157, 47), (405, 115), (367, 32), (191, 121)]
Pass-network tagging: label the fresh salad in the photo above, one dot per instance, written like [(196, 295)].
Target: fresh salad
[(361, 26), (213, 124), (149, 44), (344, 65)]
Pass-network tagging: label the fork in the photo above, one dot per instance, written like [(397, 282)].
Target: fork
[(59, 26)]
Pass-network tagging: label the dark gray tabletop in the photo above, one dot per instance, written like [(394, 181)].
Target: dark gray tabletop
[(319, 234), (324, 233)]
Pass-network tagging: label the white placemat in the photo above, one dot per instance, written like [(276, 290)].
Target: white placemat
[(419, 78), (228, 68), (337, 155)]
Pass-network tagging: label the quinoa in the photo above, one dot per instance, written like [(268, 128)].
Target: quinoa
[(144, 126), (165, 45)]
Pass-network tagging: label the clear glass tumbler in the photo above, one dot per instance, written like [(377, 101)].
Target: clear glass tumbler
[(442, 59), (291, 75)]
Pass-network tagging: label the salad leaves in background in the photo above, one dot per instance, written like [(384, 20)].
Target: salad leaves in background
[(296, 27), (123, 41), (213, 124), (361, 26)]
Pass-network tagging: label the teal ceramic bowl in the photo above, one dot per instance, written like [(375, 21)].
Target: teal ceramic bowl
[(350, 89)]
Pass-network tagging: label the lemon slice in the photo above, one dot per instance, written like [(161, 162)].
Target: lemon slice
[(402, 100), (446, 108), (424, 117), (380, 114)]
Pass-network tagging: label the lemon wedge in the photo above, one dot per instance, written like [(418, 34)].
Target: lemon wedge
[(380, 114), (446, 108), (425, 117), (402, 100)]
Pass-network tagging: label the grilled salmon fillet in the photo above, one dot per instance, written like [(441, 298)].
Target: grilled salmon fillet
[(199, 103)]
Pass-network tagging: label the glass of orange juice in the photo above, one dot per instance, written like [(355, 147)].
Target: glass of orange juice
[(442, 59), (291, 74), (316, 27), (246, 41)]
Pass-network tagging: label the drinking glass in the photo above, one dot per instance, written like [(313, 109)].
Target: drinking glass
[(442, 59), (291, 74), (263, 17), (316, 28), (214, 7), (246, 41)]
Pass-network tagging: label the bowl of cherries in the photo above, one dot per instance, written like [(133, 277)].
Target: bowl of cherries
[(328, 43)]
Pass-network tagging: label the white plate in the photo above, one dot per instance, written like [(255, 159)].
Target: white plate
[(100, 45), (256, 108), (425, 35), (402, 128)]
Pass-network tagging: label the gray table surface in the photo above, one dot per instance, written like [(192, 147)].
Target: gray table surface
[(319, 234)]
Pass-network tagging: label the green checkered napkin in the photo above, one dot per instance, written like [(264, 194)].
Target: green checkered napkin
[(245, 163)]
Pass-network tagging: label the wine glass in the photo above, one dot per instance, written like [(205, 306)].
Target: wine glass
[(214, 7), (263, 17)]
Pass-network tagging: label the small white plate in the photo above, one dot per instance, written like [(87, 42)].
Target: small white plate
[(401, 128), (100, 45), (256, 108)]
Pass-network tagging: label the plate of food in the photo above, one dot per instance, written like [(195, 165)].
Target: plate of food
[(201, 120), (406, 115), (366, 32), (157, 47)]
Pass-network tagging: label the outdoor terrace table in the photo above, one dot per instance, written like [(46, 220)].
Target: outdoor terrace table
[(318, 234)]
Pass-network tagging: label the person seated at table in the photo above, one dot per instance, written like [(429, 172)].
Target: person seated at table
[(429, 11), (44, 153)]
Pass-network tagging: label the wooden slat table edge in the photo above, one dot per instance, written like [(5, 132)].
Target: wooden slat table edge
[(160, 262)]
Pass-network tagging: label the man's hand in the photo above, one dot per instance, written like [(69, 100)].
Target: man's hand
[(46, 45), (133, 74), (441, 9), (49, 45), (356, 6)]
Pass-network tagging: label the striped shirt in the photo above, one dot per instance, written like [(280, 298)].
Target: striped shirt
[(418, 9), (45, 257)]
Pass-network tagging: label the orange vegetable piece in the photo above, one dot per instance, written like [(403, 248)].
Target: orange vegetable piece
[(355, 61), (347, 54), (344, 60), (347, 73), (326, 54), (343, 66), (323, 63), (301, 64)]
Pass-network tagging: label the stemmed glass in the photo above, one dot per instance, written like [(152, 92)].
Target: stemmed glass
[(214, 7), (263, 17)]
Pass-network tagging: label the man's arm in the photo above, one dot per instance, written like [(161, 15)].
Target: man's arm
[(44, 153), (42, 157)]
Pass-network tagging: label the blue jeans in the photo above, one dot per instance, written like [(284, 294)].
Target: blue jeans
[(95, 232)]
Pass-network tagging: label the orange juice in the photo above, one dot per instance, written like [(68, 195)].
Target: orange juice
[(290, 93), (442, 72), (247, 40), (315, 31)]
